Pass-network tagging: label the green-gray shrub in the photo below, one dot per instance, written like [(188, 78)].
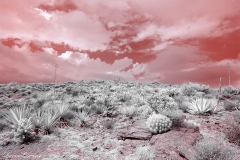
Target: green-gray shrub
[(209, 149), (142, 153)]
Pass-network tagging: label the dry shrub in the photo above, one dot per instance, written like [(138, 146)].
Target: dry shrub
[(209, 149), (233, 132), (177, 118), (230, 105)]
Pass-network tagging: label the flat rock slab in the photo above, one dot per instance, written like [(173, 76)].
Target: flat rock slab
[(138, 131)]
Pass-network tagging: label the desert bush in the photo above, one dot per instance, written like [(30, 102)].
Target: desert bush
[(230, 105), (88, 102), (176, 117), (142, 153), (201, 106), (125, 97), (69, 90), (184, 106), (161, 102), (187, 90), (82, 118), (172, 92), (229, 91), (75, 93), (237, 116), (233, 131), (83, 108), (158, 123), (109, 124), (209, 149), (129, 111), (144, 111), (97, 109)]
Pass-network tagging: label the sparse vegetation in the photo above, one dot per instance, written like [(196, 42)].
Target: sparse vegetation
[(209, 149), (95, 105)]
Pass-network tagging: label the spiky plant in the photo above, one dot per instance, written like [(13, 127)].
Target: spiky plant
[(37, 120), (50, 118), (23, 130), (18, 118), (82, 118), (158, 123), (62, 109), (201, 106), (14, 115)]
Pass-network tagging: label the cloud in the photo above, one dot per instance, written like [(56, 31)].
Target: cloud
[(168, 41), (75, 28)]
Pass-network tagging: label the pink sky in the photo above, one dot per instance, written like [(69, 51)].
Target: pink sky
[(168, 41)]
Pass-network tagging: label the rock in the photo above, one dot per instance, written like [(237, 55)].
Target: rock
[(176, 144), (138, 130)]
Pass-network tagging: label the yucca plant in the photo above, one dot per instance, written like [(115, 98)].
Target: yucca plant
[(23, 131), (201, 106), (15, 114), (50, 118), (37, 120), (82, 118), (62, 109), (20, 122), (64, 113)]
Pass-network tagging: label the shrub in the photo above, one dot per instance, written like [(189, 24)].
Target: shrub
[(125, 97), (129, 111), (97, 109), (142, 153), (161, 102), (228, 91), (176, 117), (201, 106), (233, 132), (230, 105), (187, 90), (75, 93), (88, 102), (158, 123), (144, 111), (82, 118), (208, 149), (237, 116), (109, 124)]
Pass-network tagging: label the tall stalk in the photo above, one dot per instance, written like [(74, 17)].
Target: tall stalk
[(228, 74), (56, 66)]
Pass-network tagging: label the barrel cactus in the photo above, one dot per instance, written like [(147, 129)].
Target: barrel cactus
[(158, 123)]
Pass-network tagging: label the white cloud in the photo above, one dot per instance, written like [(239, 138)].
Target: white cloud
[(49, 50), (162, 45), (44, 13), (65, 55), (189, 69)]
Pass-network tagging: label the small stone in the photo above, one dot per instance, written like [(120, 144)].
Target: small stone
[(95, 148)]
